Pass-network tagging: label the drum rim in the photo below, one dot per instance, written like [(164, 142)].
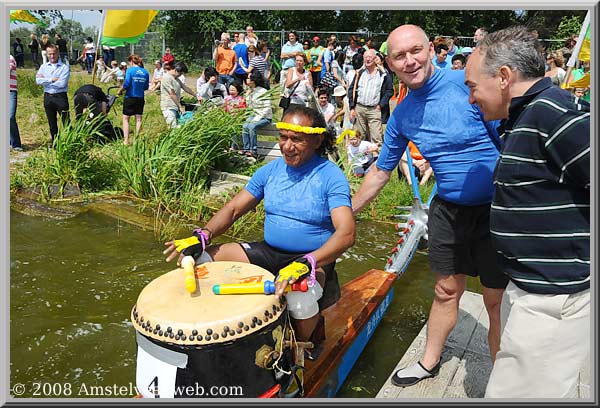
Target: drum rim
[(186, 334)]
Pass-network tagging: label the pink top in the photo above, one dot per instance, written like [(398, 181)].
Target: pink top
[(13, 73), (232, 102)]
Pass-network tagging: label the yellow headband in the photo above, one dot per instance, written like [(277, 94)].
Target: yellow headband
[(300, 129)]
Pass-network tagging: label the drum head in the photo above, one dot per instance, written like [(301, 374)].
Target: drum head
[(166, 311)]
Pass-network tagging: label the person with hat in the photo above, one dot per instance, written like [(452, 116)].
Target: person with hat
[(121, 72), (314, 57), (341, 97)]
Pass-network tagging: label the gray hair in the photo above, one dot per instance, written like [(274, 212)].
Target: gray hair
[(514, 47)]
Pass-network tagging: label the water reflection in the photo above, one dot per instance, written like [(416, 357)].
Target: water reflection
[(74, 281)]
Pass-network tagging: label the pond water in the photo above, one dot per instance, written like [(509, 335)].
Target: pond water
[(73, 283)]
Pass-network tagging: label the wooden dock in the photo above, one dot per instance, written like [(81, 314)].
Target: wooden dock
[(466, 363)]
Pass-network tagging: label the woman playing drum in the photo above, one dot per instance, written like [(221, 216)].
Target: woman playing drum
[(308, 223)]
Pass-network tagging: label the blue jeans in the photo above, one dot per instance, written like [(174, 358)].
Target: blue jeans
[(15, 137), (249, 133), (225, 80), (89, 62)]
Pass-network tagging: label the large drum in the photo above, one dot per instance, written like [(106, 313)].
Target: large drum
[(205, 345)]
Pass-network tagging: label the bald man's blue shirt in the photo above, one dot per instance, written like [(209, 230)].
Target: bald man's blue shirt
[(450, 133)]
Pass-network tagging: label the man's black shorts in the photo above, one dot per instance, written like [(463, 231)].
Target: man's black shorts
[(273, 259), (459, 242), (133, 106)]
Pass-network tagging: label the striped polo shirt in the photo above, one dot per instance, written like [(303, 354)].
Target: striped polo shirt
[(540, 216)]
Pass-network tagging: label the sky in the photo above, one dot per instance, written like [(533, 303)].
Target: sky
[(87, 18)]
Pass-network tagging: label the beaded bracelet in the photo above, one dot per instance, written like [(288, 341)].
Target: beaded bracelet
[(313, 273)]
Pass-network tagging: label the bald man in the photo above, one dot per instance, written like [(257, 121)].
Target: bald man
[(461, 148)]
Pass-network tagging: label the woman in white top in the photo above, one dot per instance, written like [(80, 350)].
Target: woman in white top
[(298, 81), (156, 76), (556, 73), (261, 106)]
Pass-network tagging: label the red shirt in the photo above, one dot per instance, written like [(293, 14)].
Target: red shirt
[(168, 58)]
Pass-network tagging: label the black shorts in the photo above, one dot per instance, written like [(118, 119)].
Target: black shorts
[(459, 242), (133, 106), (273, 259)]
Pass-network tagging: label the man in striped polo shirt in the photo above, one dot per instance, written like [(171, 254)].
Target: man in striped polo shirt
[(15, 137), (540, 217)]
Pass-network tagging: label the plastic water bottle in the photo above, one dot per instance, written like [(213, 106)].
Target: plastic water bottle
[(303, 305)]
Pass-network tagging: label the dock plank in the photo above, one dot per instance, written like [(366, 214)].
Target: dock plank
[(466, 363), (471, 327)]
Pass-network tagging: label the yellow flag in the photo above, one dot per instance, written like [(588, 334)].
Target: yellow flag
[(582, 82), (125, 26)]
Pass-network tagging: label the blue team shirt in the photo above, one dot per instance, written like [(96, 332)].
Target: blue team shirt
[(137, 80), (298, 202), (241, 51), (450, 133)]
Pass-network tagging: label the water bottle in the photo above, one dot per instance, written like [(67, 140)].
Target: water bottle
[(303, 305)]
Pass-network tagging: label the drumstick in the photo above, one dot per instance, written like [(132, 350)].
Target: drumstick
[(267, 288), (189, 265)]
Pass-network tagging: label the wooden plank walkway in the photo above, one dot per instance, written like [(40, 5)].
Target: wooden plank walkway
[(466, 363)]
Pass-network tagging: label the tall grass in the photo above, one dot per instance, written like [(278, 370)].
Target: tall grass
[(172, 170), (73, 159)]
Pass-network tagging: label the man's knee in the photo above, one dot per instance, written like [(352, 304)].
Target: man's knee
[(449, 288), (492, 299)]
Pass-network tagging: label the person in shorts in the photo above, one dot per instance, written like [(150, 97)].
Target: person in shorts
[(307, 198), (137, 80), (463, 154)]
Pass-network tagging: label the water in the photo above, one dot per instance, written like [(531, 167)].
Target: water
[(74, 281)]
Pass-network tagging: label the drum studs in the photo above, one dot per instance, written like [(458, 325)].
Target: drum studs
[(142, 319), (253, 325), (259, 322), (246, 328), (241, 324), (232, 333), (226, 328), (194, 332), (171, 335), (254, 319), (266, 312), (177, 337), (192, 337), (238, 330), (209, 331), (169, 329), (155, 331), (160, 332), (199, 337), (158, 327), (224, 334), (215, 336), (183, 337)]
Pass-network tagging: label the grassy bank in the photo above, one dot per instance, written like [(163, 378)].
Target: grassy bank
[(166, 170)]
